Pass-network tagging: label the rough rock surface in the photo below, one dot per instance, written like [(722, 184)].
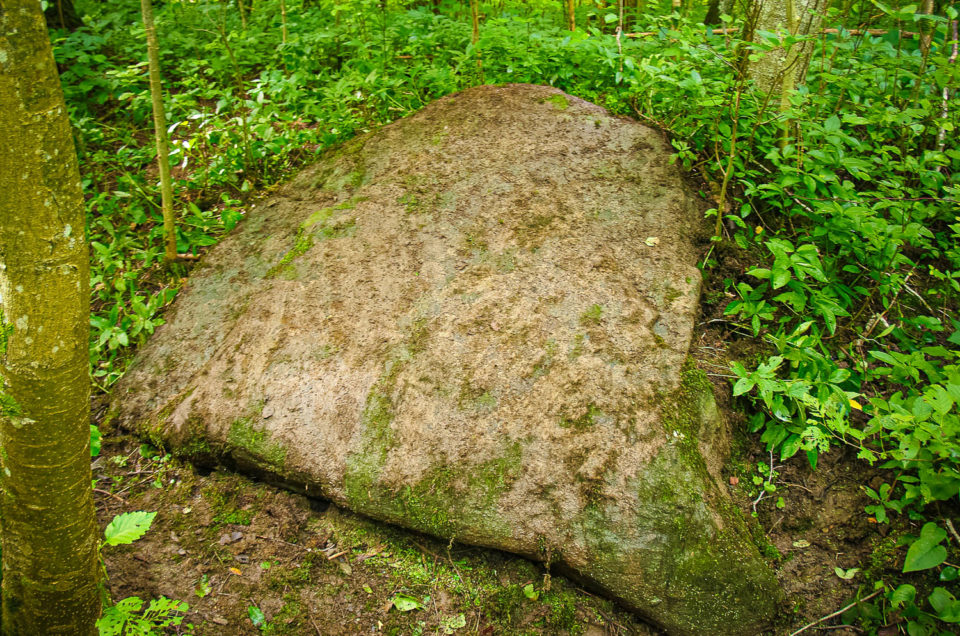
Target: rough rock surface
[(474, 323)]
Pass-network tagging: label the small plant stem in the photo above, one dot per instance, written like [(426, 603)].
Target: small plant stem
[(835, 614), (952, 530), (160, 131), (238, 78), (620, 34), (722, 199), (944, 110), (243, 14)]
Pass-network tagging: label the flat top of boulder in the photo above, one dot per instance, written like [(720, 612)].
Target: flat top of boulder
[(474, 322)]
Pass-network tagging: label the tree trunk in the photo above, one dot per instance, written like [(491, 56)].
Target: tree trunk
[(61, 14), (571, 16), (47, 522), (243, 14), (780, 70), (283, 21), (713, 13), (926, 28), (160, 131), (475, 16)]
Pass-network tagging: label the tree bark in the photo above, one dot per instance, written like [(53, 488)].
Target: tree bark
[(713, 13), (926, 28), (47, 522), (475, 18), (781, 70), (571, 16), (160, 132)]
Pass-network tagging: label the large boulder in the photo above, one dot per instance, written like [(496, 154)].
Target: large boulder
[(474, 322)]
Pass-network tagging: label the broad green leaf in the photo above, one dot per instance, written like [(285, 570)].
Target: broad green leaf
[(790, 447), (903, 594), (781, 277), (405, 603), (128, 527), (743, 385), (926, 552), (945, 604)]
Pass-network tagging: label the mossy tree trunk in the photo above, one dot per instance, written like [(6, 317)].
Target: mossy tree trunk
[(47, 522), (160, 131), (571, 16)]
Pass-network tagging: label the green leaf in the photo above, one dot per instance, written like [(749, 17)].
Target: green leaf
[(743, 385), (945, 604), (128, 527), (832, 124), (846, 575), (257, 616), (781, 277), (405, 603), (926, 552), (95, 441), (790, 447), (903, 594), (949, 574), (530, 593), (453, 623)]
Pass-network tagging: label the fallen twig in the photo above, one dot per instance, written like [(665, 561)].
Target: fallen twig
[(110, 494), (835, 614), (952, 530)]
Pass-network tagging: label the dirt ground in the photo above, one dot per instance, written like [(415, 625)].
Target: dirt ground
[(225, 544)]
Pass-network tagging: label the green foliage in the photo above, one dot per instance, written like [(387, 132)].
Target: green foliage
[(926, 552), (95, 441), (128, 527), (129, 618)]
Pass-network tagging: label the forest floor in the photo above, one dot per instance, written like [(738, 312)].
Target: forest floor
[(232, 547)]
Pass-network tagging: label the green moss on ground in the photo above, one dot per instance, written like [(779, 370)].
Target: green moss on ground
[(592, 315), (559, 102)]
